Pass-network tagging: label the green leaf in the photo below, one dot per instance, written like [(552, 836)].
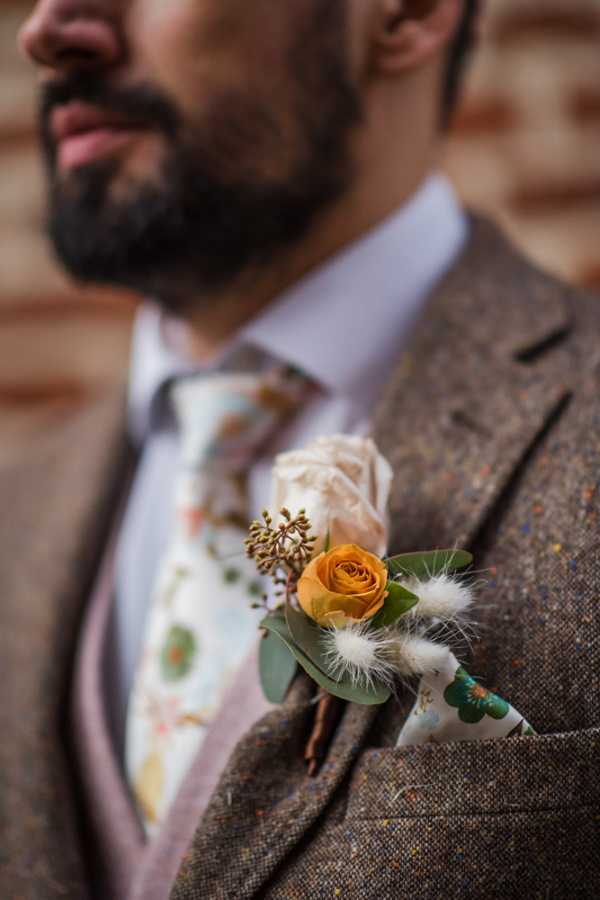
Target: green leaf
[(327, 545), (275, 623), (306, 637), (427, 565), (277, 667), (397, 603)]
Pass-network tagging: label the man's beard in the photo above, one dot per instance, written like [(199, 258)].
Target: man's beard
[(202, 220)]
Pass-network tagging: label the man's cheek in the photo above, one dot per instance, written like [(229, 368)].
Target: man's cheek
[(188, 48), (197, 50), (359, 26)]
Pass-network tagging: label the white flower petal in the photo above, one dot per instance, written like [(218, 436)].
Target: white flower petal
[(343, 483)]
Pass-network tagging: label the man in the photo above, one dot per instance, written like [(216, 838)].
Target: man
[(264, 171)]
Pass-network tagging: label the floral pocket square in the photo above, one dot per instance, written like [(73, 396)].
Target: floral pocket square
[(453, 706)]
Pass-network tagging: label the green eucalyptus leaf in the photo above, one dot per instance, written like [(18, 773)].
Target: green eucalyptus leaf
[(398, 602), (427, 565), (308, 636), (277, 666), (275, 623)]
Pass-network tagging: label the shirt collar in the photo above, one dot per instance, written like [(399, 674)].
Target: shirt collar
[(152, 363), (341, 324)]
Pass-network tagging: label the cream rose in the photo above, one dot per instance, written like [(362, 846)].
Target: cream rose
[(343, 483)]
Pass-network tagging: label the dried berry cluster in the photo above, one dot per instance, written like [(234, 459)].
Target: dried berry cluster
[(281, 551)]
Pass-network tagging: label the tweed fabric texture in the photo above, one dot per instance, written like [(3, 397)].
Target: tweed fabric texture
[(49, 541), (500, 389)]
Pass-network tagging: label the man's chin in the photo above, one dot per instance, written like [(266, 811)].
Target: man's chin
[(102, 240)]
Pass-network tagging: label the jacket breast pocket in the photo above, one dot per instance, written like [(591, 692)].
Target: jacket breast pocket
[(504, 818), (491, 777)]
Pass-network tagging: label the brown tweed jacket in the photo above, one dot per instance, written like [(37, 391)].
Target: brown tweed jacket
[(492, 424)]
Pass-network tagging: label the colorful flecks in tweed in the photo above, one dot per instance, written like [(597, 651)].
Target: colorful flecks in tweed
[(201, 626), (502, 457), (502, 420)]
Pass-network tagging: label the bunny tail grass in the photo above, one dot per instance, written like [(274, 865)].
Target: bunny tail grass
[(417, 656), (440, 597), (360, 653)]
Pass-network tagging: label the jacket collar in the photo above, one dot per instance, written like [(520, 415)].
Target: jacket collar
[(473, 392)]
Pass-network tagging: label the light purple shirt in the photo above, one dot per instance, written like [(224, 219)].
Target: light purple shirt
[(343, 324)]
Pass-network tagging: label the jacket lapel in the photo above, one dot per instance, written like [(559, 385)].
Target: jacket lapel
[(481, 378), (265, 802), (59, 492), (472, 393)]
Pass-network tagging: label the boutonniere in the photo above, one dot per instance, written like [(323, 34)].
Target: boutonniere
[(353, 618), (356, 620)]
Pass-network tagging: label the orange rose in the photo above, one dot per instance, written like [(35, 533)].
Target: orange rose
[(345, 585)]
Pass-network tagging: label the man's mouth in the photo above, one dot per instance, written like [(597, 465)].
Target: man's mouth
[(84, 133)]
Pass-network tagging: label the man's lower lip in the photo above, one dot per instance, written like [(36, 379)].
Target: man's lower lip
[(79, 149)]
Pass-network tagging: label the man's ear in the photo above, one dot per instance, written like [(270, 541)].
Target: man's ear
[(408, 33)]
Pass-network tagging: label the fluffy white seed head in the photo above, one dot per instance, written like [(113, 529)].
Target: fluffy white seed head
[(418, 656), (355, 647), (360, 653), (441, 597)]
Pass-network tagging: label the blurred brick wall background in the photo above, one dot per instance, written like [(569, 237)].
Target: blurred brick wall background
[(524, 148), (526, 142)]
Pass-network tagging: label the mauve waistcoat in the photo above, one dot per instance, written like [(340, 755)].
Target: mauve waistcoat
[(125, 866)]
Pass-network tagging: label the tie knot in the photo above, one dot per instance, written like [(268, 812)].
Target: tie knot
[(225, 418)]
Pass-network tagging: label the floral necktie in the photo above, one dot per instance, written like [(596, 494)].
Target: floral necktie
[(200, 625)]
